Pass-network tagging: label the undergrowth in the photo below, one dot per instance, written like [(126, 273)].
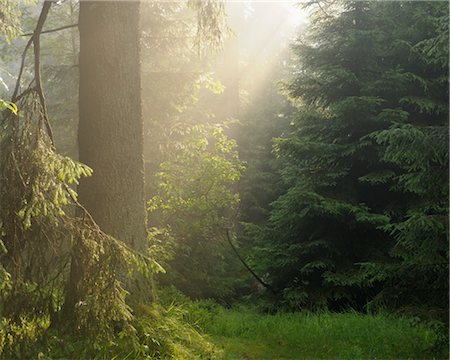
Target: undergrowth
[(161, 333), (179, 328), (245, 333)]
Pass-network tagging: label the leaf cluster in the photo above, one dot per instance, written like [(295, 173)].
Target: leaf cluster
[(194, 205)]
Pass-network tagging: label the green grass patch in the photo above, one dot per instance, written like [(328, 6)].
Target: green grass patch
[(246, 334), (182, 329)]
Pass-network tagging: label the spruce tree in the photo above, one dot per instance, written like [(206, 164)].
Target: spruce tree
[(366, 162)]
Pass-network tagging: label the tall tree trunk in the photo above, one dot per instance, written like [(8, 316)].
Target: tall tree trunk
[(110, 134), (111, 126)]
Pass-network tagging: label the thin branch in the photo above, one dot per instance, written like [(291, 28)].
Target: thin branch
[(24, 93), (261, 281), (58, 273), (37, 67), (22, 66), (53, 30), (85, 211), (323, 10), (18, 170)]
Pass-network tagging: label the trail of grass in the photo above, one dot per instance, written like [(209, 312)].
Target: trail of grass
[(246, 334)]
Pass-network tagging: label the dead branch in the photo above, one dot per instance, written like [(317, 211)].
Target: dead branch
[(53, 30), (261, 281)]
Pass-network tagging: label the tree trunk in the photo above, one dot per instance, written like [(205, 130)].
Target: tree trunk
[(110, 134), (111, 125)]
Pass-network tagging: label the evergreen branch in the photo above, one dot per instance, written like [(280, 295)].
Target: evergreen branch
[(96, 227), (85, 211), (323, 10)]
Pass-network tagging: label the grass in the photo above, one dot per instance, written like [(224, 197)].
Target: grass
[(182, 329), (246, 334)]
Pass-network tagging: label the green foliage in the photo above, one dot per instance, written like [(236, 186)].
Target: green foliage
[(194, 206), (211, 24), (10, 18), (59, 72), (18, 338), (178, 78), (9, 29), (8, 105), (40, 238), (35, 183), (165, 335), (197, 313), (161, 333), (203, 167), (366, 164)]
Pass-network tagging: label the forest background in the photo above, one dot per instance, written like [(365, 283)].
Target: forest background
[(311, 176)]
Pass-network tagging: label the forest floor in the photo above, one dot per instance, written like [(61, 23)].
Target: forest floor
[(185, 329), (245, 334)]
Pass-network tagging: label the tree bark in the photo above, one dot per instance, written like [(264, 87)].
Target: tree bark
[(111, 125)]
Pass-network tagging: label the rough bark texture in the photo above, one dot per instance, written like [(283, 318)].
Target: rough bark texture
[(111, 125)]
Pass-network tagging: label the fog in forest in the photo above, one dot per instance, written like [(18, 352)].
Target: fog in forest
[(208, 179)]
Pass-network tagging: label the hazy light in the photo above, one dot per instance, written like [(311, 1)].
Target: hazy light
[(264, 29)]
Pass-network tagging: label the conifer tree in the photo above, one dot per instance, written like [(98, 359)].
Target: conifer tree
[(366, 163)]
